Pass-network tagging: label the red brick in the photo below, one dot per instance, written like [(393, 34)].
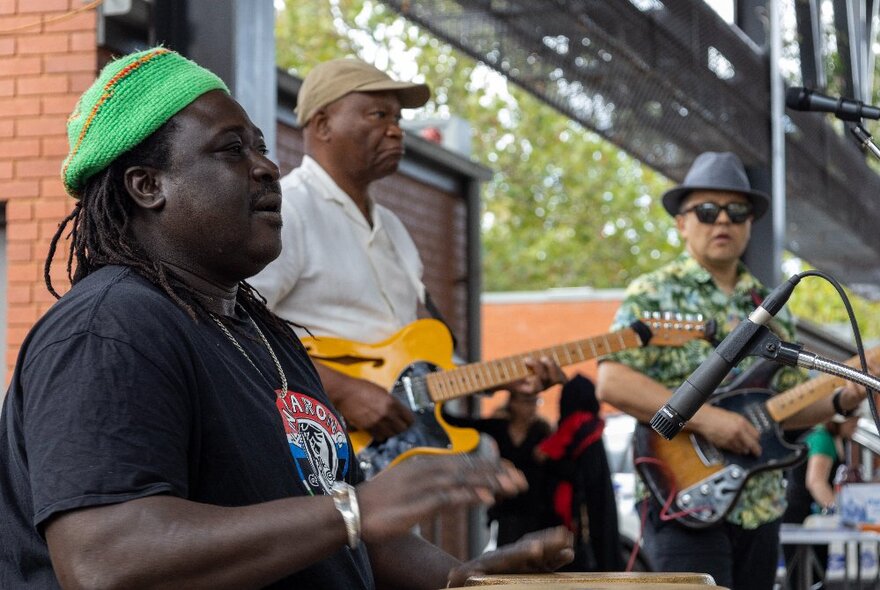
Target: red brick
[(17, 66), (7, 128), (78, 83), (19, 210), (44, 84), (19, 22), (5, 170), (47, 228), (83, 21), (55, 146), (41, 126), (58, 104), (84, 41), (18, 188), (19, 148), (17, 107), (7, 7), (52, 187), (19, 293), (19, 252), (54, 209), (11, 359), (85, 61), (15, 335), (39, 168), (23, 231), (46, 299), (7, 46), (29, 6), (7, 87), (26, 272), (43, 43), (25, 313)]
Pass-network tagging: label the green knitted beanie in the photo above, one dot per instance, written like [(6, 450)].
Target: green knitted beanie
[(132, 97)]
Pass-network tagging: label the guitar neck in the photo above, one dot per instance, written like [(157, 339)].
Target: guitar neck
[(799, 397), (476, 377)]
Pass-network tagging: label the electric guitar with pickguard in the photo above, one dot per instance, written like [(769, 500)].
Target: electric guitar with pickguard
[(704, 480), (416, 366)]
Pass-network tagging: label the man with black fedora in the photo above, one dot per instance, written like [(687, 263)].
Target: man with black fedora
[(713, 209)]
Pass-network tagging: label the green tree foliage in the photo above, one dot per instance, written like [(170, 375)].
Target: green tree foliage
[(817, 300), (564, 207)]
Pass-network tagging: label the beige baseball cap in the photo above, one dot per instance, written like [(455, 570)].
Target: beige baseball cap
[(331, 80)]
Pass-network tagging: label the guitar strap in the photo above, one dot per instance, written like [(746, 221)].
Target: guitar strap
[(435, 313)]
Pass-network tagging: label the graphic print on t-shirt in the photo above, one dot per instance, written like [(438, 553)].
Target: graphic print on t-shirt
[(317, 441)]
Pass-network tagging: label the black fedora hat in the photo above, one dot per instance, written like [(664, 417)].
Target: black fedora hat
[(716, 171)]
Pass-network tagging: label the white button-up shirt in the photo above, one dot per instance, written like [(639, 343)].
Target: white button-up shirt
[(336, 275)]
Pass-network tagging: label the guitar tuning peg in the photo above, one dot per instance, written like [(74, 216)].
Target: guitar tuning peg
[(667, 315), (655, 315)]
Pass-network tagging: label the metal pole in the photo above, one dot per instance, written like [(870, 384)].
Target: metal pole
[(777, 139)]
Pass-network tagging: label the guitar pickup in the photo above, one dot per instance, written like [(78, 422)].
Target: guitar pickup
[(706, 451)]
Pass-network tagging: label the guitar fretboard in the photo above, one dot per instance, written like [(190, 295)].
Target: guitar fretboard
[(799, 397), (475, 377)]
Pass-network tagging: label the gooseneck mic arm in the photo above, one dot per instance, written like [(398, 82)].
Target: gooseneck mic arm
[(793, 356)]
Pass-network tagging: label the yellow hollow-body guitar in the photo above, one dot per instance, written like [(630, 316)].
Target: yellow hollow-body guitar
[(415, 365)]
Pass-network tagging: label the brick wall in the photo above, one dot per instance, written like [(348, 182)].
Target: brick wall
[(511, 328), (43, 70)]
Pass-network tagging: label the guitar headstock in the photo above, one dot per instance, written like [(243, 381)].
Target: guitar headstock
[(665, 328)]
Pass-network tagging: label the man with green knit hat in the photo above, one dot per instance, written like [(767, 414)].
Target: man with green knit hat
[(162, 426)]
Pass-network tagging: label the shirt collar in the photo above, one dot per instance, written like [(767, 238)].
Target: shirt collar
[(745, 281), (332, 192)]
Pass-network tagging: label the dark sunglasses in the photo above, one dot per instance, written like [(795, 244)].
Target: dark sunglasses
[(708, 212)]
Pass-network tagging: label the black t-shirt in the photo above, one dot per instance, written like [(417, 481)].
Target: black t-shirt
[(118, 394)]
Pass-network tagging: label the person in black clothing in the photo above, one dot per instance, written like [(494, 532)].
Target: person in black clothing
[(162, 427), (582, 489), (517, 429)]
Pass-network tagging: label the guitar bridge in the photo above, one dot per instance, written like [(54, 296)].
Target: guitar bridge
[(710, 499)]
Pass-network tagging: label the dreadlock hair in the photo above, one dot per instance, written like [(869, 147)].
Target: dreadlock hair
[(100, 236)]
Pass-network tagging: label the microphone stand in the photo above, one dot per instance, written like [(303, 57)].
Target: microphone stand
[(793, 355), (864, 139)]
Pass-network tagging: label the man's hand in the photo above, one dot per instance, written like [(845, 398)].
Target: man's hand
[(365, 405), (400, 497), (545, 373), (541, 551), (727, 430)]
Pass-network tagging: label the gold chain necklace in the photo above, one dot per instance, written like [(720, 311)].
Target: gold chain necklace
[(235, 342)]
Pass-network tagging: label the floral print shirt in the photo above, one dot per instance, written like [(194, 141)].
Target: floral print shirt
[(683, 286)]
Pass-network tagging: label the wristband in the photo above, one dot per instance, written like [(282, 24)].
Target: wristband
[(345, 501), (835, 401)]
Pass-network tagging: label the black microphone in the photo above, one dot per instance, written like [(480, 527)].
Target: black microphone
[(848, 109), (693, 393)]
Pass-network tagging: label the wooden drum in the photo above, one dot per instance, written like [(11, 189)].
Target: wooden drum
[(559, 584), (618, 580)]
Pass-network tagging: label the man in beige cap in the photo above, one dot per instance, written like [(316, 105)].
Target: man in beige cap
[(348, 268)]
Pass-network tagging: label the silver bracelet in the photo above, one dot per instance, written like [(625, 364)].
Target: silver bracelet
[(345, 501)]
